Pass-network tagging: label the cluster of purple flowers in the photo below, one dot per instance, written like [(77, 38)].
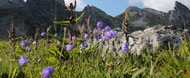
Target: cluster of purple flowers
[(109, 35), (106, 32)]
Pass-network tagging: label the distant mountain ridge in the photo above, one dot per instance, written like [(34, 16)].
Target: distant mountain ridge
[(41, 14), (144, 18)]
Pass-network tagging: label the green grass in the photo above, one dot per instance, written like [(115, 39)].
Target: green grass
[(169, 63)]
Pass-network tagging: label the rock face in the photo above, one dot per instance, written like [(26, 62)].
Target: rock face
[(144, 17), (30, 15), (9, 9), (147, 17), (7, 4), (156, 37), (151, 38), (41, 14), (180, 16), (140, 19)]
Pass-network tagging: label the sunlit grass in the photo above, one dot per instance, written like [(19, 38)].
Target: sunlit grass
[(91, 64)]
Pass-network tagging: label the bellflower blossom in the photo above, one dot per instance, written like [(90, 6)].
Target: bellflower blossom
[(69, 47), (47, 72), (86, 37), (25, 43), (125, 48), (100, 24), (43, 34), (23, 61)]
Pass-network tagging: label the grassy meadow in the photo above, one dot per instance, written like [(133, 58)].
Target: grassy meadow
[(168, 63)]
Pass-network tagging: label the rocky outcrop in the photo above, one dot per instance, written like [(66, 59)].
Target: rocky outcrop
[(146, 17), (30, 15), (180, 16), (151, 38), (41, 14), (7, 4), (9, 9)]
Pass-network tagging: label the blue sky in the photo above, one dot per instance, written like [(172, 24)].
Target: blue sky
[(116, 7), (111, 7)]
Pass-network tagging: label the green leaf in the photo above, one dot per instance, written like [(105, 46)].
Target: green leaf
[(14, 72), (58, 52), (53, 52), (79, 17), (62, 22)]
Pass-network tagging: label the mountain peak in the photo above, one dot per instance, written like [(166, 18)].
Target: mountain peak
[(180, 16), (179, 5), (88, 7)]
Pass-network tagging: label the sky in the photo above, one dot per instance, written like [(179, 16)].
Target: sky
[(116, 7)]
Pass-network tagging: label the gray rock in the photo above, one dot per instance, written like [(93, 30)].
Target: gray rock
[(29, 16), (7, 4), (150, 38), (180, 16)]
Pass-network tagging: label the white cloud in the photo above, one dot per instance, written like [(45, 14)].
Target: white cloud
[(134, 2), (24, 0), (80, 3), (162, 5)]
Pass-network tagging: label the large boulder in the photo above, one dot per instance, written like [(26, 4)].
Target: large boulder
[(151, 38)]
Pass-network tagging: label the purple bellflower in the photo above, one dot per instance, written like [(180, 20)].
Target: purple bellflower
[(100, 24), (69, 47), (125, 48), (28, 49), (73, 39), (47, 72), (43, 34), (109, 35), (108, 28), (86, 37), (25, 43), (23, 61)]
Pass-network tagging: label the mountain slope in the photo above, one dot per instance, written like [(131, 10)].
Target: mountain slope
[(98, 15), (41, 13), (148, 17), (29, 16)]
